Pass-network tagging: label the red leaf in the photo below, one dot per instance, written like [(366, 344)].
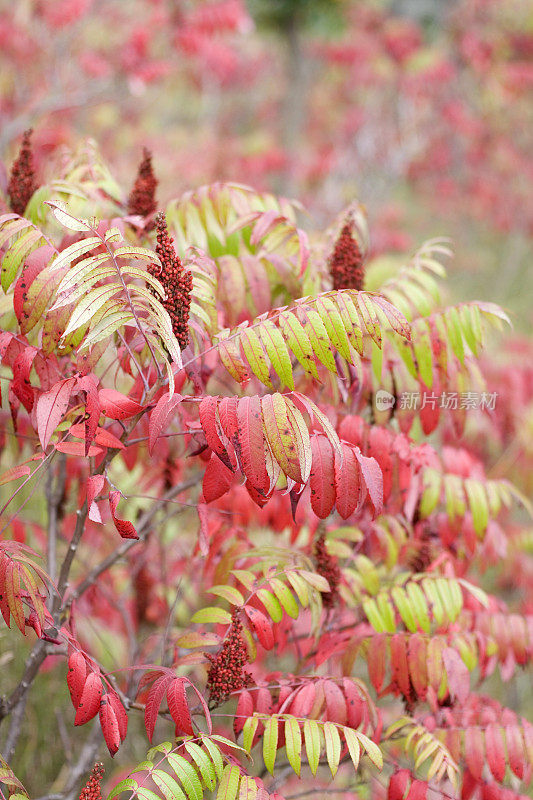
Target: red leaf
[(373, 480), (251, 442), (262, 626), (335, 703), (179, 708), (89, 384), (227, 413), (109, 723), (120, 713), (418, 791), (153, 703), (160, 416), (475, 752), (515, 750), (208, 420), (124, 527), (304, 701), (76, 676), (458, 674), (51, 408), (398, 660), (217, 479), (100, 435), (399, 784), (77, 449), (116, 405), (376, 660), (354, 704), (322, 478), (245, 709), (20, 384), (34, 263), (417, 661), (349, 488), (89, 704), (495, 750)]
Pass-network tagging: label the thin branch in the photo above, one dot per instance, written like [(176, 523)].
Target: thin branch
[(142, 530)]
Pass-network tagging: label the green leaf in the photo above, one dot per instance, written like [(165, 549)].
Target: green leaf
[(404, 607), (16, 254), (419, 605), (277, 351), (478, 503), (298, 340), (255, 355), (333, 746), (228, 593), (216, 756), (187, 776), (312, 743), (293, 743), (300, 587), (229, 784), (167, 785), (374, 616), (271, 604), (212, 614), (248, 732), (455, 336), (270, 743), (204, 764), (352, 742), (147, 794), (372, 750), (285, 597), (318, 336), (334, 325), (91, 305), (65, 218), (431, 491)]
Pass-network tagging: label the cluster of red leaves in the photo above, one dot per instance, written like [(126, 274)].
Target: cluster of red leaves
[(402, 786), (342, 701), (346, 261), (142, 198), (165, 683), (176, 281), (22, 182), (327, 566), (226, 673), (88, 699), (92, 789)]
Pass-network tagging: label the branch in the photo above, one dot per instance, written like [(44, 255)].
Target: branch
[(142, 530)]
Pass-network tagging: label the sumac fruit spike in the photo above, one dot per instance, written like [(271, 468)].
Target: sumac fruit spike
[(142, 198), (346, 261), (22, 182), (92, 789)]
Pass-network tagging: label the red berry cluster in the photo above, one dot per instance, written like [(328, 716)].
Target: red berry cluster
[(346, 261), (176, 281), (92, 790), (226, 673), (327, 566), (142, 198), (22, 182)]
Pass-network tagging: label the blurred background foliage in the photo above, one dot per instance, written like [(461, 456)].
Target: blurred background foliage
[(420, 108)]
